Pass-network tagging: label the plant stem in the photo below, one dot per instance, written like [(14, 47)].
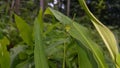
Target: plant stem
[(64, 56)]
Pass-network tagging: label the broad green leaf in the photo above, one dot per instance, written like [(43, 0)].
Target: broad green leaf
[(108, 39), (82, 34), (107, 36), (24, 29), (59, 16), (4, 54), (83, 59), (39, 52), (89, 54)]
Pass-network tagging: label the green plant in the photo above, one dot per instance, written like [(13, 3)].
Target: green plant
[(4, 54), (107, 36), (80, 33), (63, 44), (104, 32), (39, 52)]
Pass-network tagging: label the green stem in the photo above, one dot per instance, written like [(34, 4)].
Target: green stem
[(64, 56)]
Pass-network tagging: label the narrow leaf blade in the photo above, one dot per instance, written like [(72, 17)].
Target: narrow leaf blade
[(39, 52)]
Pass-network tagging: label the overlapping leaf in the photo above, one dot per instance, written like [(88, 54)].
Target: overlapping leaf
[(107, 36), (80, 33), (83, 58)]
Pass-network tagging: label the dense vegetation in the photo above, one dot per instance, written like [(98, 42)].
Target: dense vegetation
[(53, 37)]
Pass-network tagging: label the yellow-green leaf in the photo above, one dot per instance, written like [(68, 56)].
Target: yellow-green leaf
[(107, 36), (4, 54), (118, 60), (24, 29)]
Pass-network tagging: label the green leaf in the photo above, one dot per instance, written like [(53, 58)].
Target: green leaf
[(107, 36), (59, 16), (24, 29), (51, 28), (82, 34), (83, 59), (39, 52), (118, 60), (40, 20), (4, 54), (26, 64), (14, 52)]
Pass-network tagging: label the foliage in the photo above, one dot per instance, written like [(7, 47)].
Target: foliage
[(4, 54), (106, 34), (39, 53), (81, 35), (53, 40)]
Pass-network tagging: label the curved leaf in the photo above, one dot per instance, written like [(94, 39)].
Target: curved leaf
[(107, 36)]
